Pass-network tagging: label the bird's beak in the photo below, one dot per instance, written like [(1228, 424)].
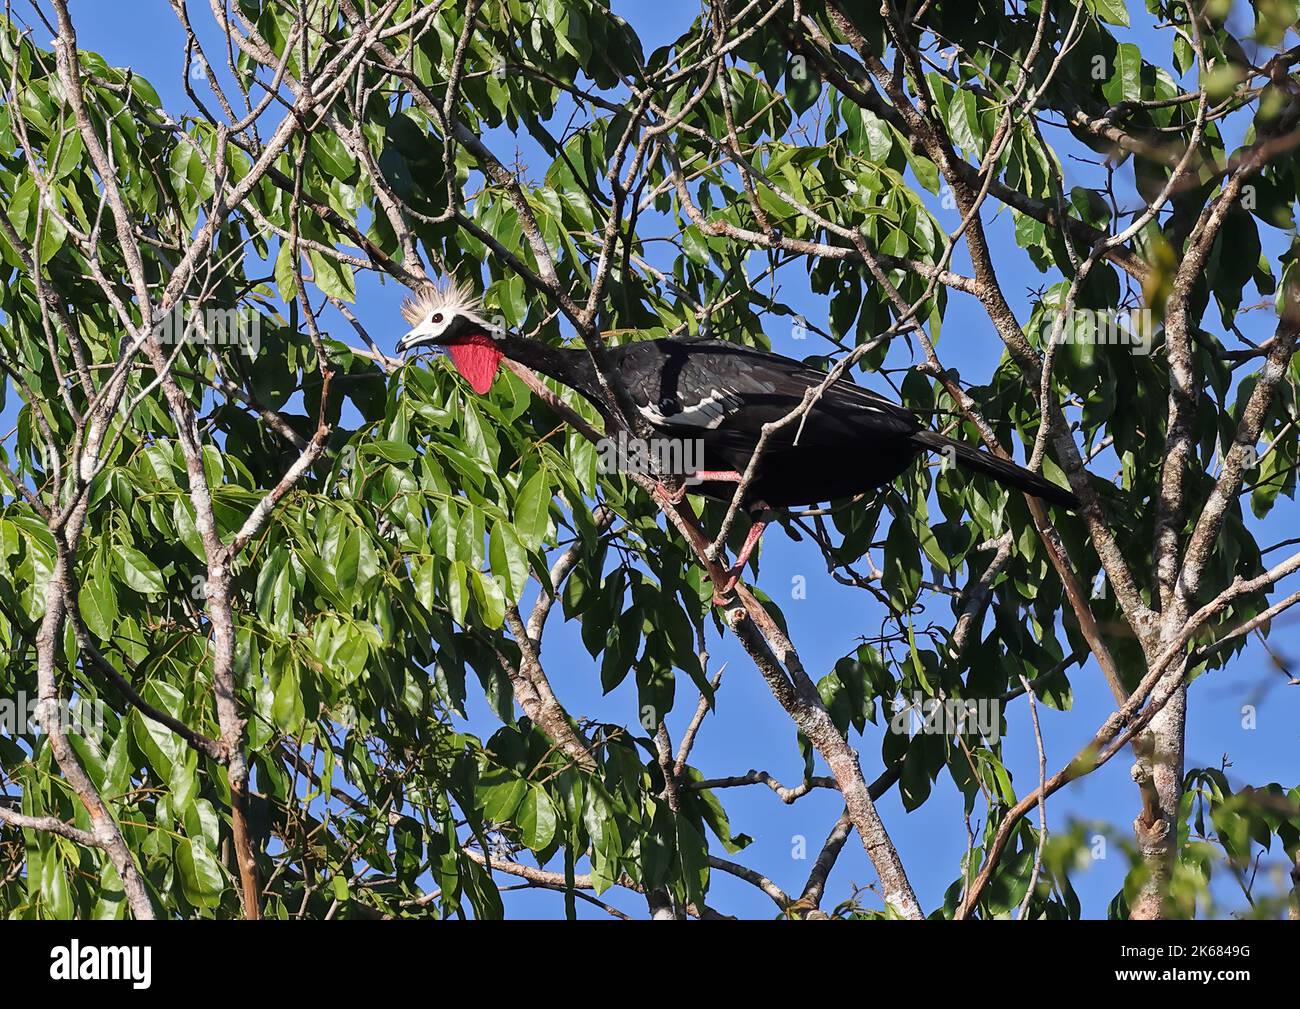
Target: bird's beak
[(414, 338)]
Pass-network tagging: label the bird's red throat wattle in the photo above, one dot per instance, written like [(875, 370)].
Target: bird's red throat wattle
[(477, 358)]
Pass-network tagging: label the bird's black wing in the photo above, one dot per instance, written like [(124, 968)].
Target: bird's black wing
[(727, 393), (851, 440)]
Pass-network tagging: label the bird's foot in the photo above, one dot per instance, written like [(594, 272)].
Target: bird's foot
[(671, 496), (697, 477), (722, 593)]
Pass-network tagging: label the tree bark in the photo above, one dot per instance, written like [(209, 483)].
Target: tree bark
[(1159, 773)]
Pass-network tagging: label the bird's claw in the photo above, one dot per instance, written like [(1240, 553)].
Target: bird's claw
[(671, 496), (724, 593)]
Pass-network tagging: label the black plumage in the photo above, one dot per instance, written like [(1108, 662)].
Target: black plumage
[(851, 441)]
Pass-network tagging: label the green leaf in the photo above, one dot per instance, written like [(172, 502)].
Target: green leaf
[(138, 571), (1125, 82), (339, 887), (287, 709), (99, 605), (964, 123), (183, 516), (694, 245), (876, 135), (332, 277), (509, 559), (500, 795), (693, 860), (56, 894), (8, 538), (1111, 11), (802, 86), (532, 510), (895, 243), (902, 577), (537, 818), (349, 560), (491, 600), (286, 281), (201, 877), (457, 595), (333, 155), (393, 451)]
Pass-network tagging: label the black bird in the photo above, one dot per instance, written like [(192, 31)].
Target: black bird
[(851, 441)]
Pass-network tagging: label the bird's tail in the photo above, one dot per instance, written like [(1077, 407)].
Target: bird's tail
[(1004, 471)]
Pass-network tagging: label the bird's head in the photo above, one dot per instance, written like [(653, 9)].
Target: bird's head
[(447, 315)]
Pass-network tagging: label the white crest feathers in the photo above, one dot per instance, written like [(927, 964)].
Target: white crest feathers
[(448, 295)]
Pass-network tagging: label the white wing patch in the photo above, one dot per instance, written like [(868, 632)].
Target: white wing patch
[(707, 413)]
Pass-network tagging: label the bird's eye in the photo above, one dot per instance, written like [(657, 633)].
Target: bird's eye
[(437, 318)]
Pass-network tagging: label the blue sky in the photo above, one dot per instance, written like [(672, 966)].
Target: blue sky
[(749, 730)]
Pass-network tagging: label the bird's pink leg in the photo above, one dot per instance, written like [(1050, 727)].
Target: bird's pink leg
[(759, 524), (700, 475), (720, 475), (720, 592)]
